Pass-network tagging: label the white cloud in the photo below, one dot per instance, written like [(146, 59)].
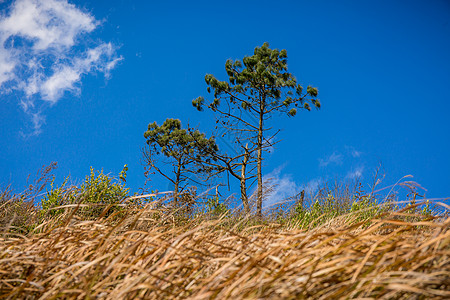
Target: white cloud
[(6, 66), (37, 120), (65, 77), (353, 152), (355, 173), (45, 51), (356, 153), (47, 23), (312, 186), (334, 158), (282, 187), (62, 80), (111, 65)]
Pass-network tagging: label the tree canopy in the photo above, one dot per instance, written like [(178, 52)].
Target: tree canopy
[(180, 149)]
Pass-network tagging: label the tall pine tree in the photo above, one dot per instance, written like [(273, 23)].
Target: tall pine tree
[(257, 87)]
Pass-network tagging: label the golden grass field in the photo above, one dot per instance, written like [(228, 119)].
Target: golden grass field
[(144, 257)]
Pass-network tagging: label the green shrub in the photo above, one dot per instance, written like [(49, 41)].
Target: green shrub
[(427, 210), (324, 209), (101, 191), (215, 208), (314, 215), (57, 196), (365, 208), (98, 192)]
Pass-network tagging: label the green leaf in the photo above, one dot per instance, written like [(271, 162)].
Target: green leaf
[(312, 91)]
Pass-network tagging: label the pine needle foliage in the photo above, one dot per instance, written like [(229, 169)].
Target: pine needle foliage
[(180, 148)]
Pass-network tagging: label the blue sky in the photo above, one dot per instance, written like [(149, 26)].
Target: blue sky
[(81, 80)]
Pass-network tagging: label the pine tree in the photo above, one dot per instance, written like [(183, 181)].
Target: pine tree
[(257, 87), (182, 149)]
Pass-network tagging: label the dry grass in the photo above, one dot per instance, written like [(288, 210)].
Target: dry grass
[(145, 257)]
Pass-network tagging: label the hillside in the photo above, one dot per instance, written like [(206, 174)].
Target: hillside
[(149, 255)]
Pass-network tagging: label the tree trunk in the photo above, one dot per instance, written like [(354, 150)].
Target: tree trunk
[(259, 162), (243, 180), (177, 183)]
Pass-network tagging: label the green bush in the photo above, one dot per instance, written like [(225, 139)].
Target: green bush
[(101, 191), (316, 214), (323, 210), (365, 208), (57, 196), (215, 208), (98, 192)]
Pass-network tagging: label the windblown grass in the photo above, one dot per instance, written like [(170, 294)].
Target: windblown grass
[(145, 255)]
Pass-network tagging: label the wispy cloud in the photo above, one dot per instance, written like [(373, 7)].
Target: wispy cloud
[(312, 186), (353, 152), (45, 51), (334, 158), (356, 153), (282, 187), (355, 173)]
